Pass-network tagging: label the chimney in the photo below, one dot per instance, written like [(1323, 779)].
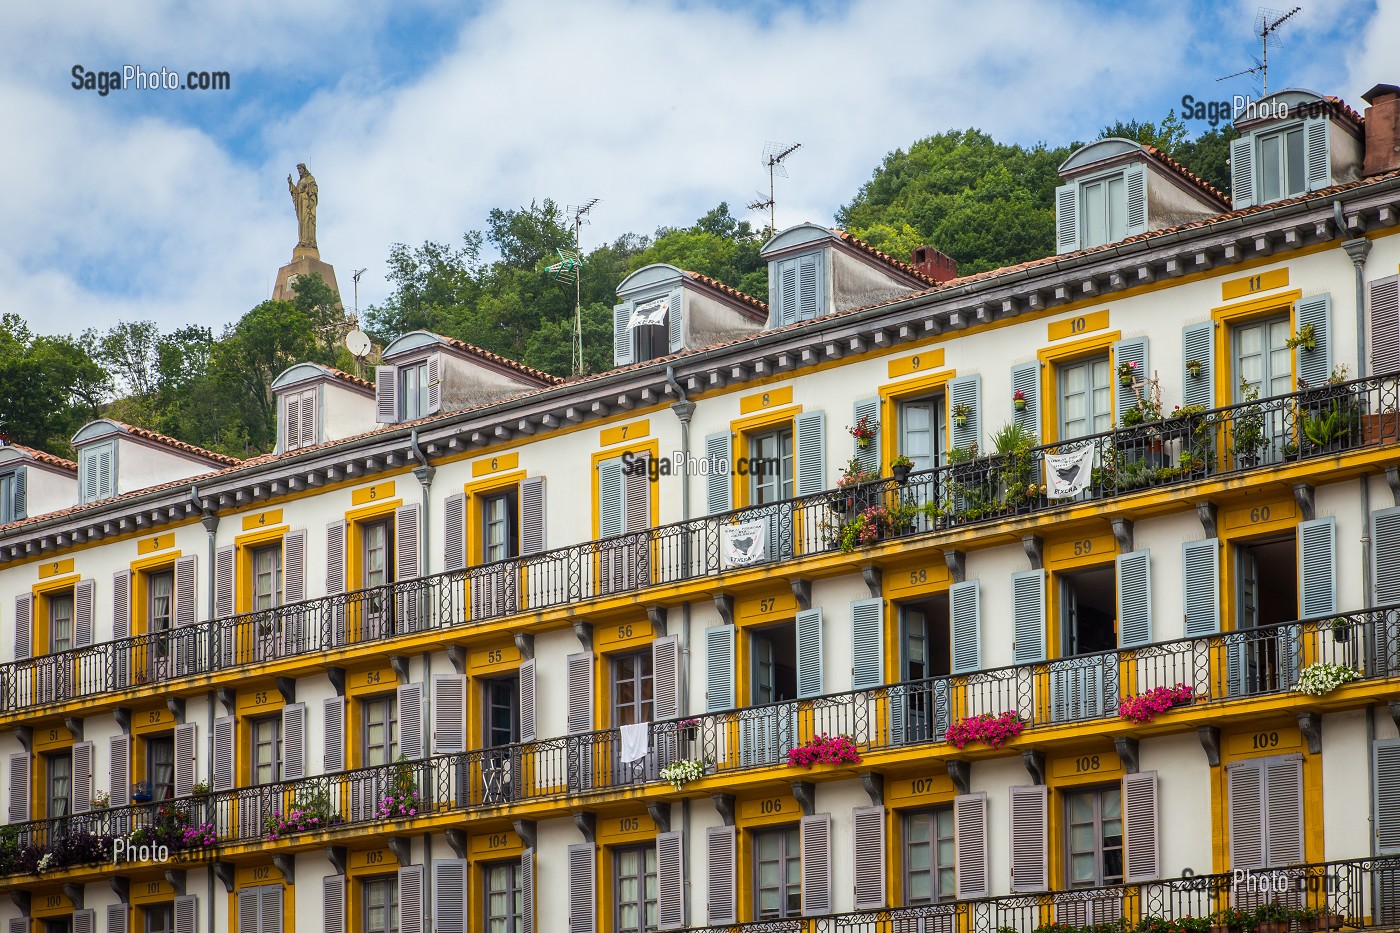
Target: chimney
[(934, 264), (1382, 129)]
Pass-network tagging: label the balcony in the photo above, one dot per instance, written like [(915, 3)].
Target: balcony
[(1288, 430)]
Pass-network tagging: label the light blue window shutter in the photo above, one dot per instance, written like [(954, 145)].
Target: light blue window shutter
[(1135, 185), (1242, 172), (1385, 769), (867, 643), (675, 320), (1130, 351), (809, 286), (965, 608), (1198, 343), (1317, 567), (1028, 615), (1200, 561), (719, 668), (868, 456), (1385, 543), (1026, 380), (809, 653), (809, 434), (19, 498), (1315, 365), (1317, 152), (719, 491), (622, 334), (785, 305), (1067, 218), (1385, 325), (386, 403), (532, 515), (965, 390), (1134, 599), (609, 498)]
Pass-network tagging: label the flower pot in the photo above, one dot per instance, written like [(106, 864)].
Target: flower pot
[(1273, 926), (1324, 922), (1020, 404), (1194, 372), (862, 442), (1125, 380), (960, 420), (901, 473)]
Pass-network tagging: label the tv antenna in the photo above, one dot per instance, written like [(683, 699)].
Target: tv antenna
[(356, 276), (574, 263), (1266, 24), (773, 156)]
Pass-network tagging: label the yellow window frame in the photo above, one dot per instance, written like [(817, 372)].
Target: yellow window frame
[(1051, 358)]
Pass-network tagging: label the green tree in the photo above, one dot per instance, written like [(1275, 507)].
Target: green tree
[(1208, 155), (1168, 136), (49, 386), (252, 353)]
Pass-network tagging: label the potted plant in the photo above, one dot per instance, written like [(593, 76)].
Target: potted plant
[(1018, 398), (141, 792), (1304, 339), (863, 431), (1248, 436), (1341, 628), (1133, 416), (900, 468), (849, 495), (1322, 678), (683, 772), (1127, 373), (101, 800), (992, 731), (1231, 920), (200, 789), (961, 412), (1146, 707), (1195, 368), (824, 749)]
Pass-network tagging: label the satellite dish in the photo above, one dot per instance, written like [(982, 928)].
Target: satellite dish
[(357, 342)]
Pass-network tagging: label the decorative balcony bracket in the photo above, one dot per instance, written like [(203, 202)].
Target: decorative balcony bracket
[(957, 565), (1035, 550), (724, 805), (287, 686), (122, 714), (1123, 534), (525, 829), (583, 631), (1392, 478), (287, 865), (175, 877), (402, 848), (1127, 748), (25, 734), (874, 784), (1205, 511), (337, 678), (660, 814), (724, 605), (228, 699), (805, 793), (802, 592), (75, 892), (525, 644), (176, 705), (74, 724), (399, 662), (21, 900), (874, 581), (656, 615), (1034, 760), (1303, 495), (121, 887), (457, 839), (587, 823), (1310, 724), (224, 872), (336, 855), (457, 654), (1210, 741), (960, 772)]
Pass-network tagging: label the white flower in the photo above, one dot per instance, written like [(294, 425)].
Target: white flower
[(1322, 678), (682, 772)]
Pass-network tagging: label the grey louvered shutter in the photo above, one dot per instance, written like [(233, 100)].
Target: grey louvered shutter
[(450, 895), (410, 709), (610, 497), (1315, 365), (223, 586), (186, 593), (526, 682), (1198, 344), (1028, 616), (333, 906), (222, 766), (454, 533), (19, 495), (119, 769), (20, 786), (118, 917), (270, 909), (719, 667), (185, 735), (1317, 567), (665, 666), (386, 402), (527, 891), (434, 383), (1134, 599), (784, 289), (1030, 839), (83, 596), (449, 715), (532, 516), (1135, 189), (867, 644), (809, 436), (868, 831), (18, 925), (869, 455), (1283, 813), (82, 777), (333, 726), (1245, 780), (1385, 785), (810, 682), (578, 675), (965, 390), (675, 320), (1200, 562), (121, 608), (1067, 218), (24, 625), (1025, 379), (636, 497), (411, 899), (965, 612), (187, 913), (335, 557), (294, 575), (721, 902), (1385, 556), (1140, 822), (622, 334), (1130, 351), (84, 921), (1385, 325), (583, 876), (294, 742), (816, 864), (1242, 172), (406, 543), (670, 881), (1317, 155), (809, 286), (290, 426), (971, 874), (718, 487)]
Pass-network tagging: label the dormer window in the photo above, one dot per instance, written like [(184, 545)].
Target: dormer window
[(648, 328), (1099, 209), (409, 390), (413, 391), (1291, 143), (1281, 170), (97, 472)]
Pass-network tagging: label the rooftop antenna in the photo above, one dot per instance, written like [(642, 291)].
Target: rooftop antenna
[(1266, 24), (773, 156), (356, 276), (574, 263)]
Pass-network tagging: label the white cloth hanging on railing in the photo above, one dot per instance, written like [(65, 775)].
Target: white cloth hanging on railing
[(633, 739)]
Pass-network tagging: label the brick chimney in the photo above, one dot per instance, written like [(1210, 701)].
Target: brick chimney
[(1382, 129), (934, 264)]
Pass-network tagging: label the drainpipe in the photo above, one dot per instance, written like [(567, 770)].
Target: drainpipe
[(684, 408), (210, 521), (424, 474), (1357, 250)]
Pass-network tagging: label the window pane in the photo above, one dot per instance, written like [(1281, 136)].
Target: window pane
[(1092, 230), (1293, 158), (61, 622), (161, 586), (1270, 167), (1117, 208)]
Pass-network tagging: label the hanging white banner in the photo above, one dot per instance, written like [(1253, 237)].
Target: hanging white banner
[(744, 544), (651, 314), (1068, 474)]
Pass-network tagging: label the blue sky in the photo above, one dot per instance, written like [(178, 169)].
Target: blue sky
[(418, 117)]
